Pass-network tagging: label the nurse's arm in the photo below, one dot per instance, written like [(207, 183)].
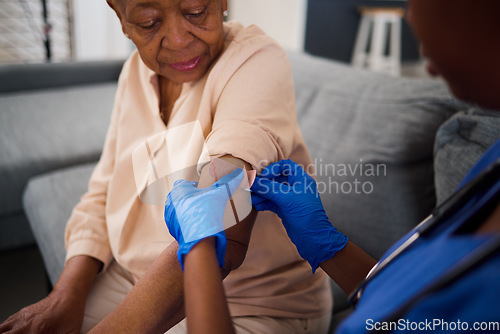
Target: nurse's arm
[(207, 311), (348, 267)]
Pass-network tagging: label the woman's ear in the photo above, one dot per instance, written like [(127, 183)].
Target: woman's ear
[(224, 5)]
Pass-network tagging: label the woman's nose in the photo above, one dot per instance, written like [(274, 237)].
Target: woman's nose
[(176, 35)]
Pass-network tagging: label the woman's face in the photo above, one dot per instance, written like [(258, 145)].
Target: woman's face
[(460, 39), (177, 39)]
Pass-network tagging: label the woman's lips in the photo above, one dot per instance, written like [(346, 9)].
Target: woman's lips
[(186, 65)]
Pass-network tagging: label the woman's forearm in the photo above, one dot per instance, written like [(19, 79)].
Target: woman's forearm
[(77, 277), (348, 267), (206, 307), (155, 304)]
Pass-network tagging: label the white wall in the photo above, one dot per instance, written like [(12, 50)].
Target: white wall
[(284, 20), (97, 32)]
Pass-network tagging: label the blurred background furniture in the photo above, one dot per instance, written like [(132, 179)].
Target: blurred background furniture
[(35, 31), (378, 41), (332, 25)]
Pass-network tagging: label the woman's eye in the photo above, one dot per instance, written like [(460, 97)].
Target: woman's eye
[(196, 14), (148, 25)]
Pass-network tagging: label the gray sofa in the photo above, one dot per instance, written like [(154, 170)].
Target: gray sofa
[(384, 148), (51, 117)]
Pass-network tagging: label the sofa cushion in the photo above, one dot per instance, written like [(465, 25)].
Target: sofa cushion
[(48, 202), (371, 138), (460, 142), (48, 129)]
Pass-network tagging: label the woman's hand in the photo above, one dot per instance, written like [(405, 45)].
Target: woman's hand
[(287, 190), (57, 313), (192, 213), (63, 309)]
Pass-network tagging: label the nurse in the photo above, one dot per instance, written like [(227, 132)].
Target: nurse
[(443, 276)]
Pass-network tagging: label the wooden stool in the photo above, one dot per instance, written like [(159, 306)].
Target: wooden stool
[(373, 26)]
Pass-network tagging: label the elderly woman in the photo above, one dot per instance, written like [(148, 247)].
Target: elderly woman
[(235, 85)]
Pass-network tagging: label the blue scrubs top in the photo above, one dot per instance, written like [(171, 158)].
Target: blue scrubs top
[(470, 304)]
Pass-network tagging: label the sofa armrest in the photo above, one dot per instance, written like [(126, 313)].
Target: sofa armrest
[(24, 77)]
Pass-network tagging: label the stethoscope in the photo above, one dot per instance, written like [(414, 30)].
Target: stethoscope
[(440, 214)]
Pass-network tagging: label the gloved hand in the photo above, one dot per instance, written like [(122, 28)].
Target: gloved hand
[(287, 190), (192, 214)]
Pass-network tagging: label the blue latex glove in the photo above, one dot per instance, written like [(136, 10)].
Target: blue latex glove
[(192, 214), (287, 190)]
